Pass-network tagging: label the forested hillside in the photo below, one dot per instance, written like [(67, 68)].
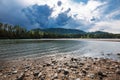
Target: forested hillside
[(17, 32)]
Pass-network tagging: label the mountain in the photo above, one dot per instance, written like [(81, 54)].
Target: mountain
[(60, 31), (98, 32)]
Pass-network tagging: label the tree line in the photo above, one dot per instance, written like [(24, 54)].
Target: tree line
[(16, 32)]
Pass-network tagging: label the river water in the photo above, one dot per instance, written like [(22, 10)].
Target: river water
[(10, 49)]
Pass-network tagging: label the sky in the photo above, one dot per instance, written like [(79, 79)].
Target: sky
[(87, 15)]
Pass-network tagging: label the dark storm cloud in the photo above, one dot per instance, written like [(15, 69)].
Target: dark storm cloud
[(62, 19), (38, 14), (10, 12), (59, 3)]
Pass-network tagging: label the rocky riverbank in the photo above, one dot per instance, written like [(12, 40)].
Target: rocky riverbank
[(60, 68)]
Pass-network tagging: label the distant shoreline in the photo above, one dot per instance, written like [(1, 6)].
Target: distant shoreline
[(90, 39)]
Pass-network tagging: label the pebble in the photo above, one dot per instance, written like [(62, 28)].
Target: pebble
[(66, 72), (101, 74), (48, 64), (59, 70), (91, 76), (15, 72), (1, 74), (55, 76), (118, 54), (74, 69), (35, 73), (73, 59), (21, 76), (84, 73), (118, 71), (40, 74), (77, 79)]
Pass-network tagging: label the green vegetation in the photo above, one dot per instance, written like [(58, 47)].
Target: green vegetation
[(16, 32)]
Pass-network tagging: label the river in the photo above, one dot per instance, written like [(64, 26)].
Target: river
[(10, 49)]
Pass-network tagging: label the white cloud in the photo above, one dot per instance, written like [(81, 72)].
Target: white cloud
[(112, 14), (112, 26), (107, 22), (83, 11)]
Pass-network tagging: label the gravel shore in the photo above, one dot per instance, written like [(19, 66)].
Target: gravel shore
[(60, 67)]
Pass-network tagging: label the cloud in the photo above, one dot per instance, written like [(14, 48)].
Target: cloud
[(107, 26), (59, 3), (87, 15), (38, 14), (110, 18)]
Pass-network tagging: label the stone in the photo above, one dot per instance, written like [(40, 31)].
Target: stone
[(73, 66), (73, 59), (35, 73), (77, 79), (84, 73), (118, 71), (59, 70), (21, 76), (55, 76), (26, 70), (48, 64), (54, 62), (66, 72), (101, 74), (81, 64), (27, 66), (14, 72), (91, 76), (40, 74), (1, 74), (118, 54)]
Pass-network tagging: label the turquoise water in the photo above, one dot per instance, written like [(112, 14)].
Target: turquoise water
[(10, 49)]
